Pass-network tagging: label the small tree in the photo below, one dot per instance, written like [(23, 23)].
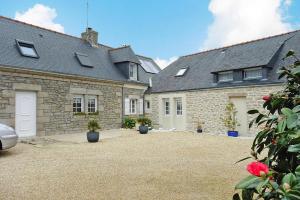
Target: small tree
[(230, 120), (93, 125), (276, 148)]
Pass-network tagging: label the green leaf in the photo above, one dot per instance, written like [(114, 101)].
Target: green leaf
[(236, 196), (296, 109), (286, 111), (260, 116), (251, 123), (294, 148), (281, 126), (248, 182), (243, 159), (296, 70), (261, 185), (289, 179), (293, 195), (251, 112), (290, 53), (297, 63), (292, 121), (297, 171)]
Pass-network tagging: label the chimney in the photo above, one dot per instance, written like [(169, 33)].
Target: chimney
[(90, 36)]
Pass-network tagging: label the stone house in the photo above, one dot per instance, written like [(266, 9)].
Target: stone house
[(196, 88), (53, 83)]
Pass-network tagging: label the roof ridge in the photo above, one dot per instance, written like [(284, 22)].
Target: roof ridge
[(241, 43), (144, 57), (122, 47), (39, 27)]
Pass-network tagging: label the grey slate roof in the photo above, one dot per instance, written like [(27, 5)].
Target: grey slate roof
[(57, 52), (201, 66), (143, 75), (123, 54)]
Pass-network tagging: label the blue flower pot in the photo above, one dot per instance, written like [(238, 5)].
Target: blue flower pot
[(233, 133)]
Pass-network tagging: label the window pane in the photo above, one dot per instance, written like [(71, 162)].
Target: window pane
[(77, 104), (225, 76), (253, 73), (181, 72), (178, 107), (166, 106)]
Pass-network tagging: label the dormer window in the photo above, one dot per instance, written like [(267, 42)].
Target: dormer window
[(253, 73), (84, 60), (133, 71), (181, 72), (225, 76), (27, 49)]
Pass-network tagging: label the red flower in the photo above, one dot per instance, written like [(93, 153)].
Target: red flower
[(257, 168), (266, 98)]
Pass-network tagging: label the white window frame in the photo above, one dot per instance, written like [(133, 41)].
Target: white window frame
[(133, 106), (227, 79), (166, 107), (133, 68), (88, 101), (181, 72), (257, 69), (81, 101), (178, 111)]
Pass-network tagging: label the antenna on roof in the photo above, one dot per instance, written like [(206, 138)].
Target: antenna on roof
[(87, 13)]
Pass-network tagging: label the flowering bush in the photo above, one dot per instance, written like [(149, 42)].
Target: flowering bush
[(276, 172)]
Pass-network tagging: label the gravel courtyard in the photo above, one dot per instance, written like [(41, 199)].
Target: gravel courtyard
[(161, 165)]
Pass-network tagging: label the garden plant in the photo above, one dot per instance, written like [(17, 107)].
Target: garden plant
[(275, 173)]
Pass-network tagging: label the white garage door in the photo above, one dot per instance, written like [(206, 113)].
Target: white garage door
[(26, 114)]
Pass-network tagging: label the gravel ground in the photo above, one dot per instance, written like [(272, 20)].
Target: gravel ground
[(166, 165)]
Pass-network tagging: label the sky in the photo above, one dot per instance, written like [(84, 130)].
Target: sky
[(162, 29)]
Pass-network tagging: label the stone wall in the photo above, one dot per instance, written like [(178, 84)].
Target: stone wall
[(209, 105), (54, 101)]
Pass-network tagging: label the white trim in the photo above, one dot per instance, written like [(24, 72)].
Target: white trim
[(96, 103), (82, 102)]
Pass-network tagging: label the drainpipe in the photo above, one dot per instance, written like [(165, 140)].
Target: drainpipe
[(122, 105)]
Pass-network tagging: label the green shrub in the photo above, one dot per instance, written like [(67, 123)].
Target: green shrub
[(230, 119), (129, 123), (93, 125), (144, 121), (276, 172)]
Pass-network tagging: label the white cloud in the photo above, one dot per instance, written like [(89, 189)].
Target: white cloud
[(40, 15), (242, 20), (163, 63)]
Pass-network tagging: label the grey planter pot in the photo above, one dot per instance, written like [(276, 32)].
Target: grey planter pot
[(92, 136), (143, 129)]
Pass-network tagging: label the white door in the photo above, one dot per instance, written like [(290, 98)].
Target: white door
[(26, 114), (241, 115)]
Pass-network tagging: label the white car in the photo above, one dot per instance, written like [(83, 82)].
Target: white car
[(8, 137)]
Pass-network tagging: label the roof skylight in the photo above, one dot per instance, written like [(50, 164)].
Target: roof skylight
[(84, 60), (149, 67), (181, 72), (27, 49)]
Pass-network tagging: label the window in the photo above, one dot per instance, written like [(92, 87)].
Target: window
[(78, 104), (84, 60), (27, 49), (254, 73), (92, 104), (133, 71), (167, 106), (148, 104), (225, 76), (132, 106), (178, 103), (181, 72)]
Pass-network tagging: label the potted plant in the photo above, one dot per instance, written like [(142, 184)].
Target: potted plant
[(145, 123), (93, 135), (199, 127), (230, 120)]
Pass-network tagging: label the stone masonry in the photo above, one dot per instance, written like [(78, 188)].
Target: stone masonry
[(54, 101), (208, 105)]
